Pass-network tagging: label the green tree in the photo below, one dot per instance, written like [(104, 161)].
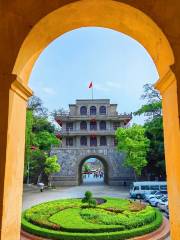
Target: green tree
[(154, 131), (86, 168), (44, 139), (89, 199), (133, 142), (153, 107), (37, 165), (40, 136), (43, 124), (51, 166), (28, 142), (36, 106), (155, 156)]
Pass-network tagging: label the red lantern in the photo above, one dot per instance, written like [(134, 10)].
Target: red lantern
[(93, 120), (59, 122), (58, 135), (93, 135), (33, 148)]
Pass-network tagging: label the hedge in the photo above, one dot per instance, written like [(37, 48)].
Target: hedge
[(122, 235)]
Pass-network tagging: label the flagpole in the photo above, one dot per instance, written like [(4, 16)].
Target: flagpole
[(92, 92), (91, 86)]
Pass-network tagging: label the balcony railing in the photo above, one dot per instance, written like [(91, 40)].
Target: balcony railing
[(87, 131), (70, 115), (88, 147)]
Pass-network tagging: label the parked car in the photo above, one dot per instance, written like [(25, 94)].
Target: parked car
[(147, 195), (163, 205), (139, 189), (155, 200), (154, 195)]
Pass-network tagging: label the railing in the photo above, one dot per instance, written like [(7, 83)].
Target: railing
[(87, 131), (88, 147), (69, 115)]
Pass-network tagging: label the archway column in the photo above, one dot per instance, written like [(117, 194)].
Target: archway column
[(13, 101), (168, 89)]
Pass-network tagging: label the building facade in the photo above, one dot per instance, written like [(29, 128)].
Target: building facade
[(88, 130)]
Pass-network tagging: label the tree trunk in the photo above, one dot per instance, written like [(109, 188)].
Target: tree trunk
[(39, 178), (135, 176), (49, 181)]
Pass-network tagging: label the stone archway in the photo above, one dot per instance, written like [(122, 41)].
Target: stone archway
[(71, 161), (21, 46), (101, 159)]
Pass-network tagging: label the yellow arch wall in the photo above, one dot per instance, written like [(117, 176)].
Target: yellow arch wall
[(103, 13), (27, 27)]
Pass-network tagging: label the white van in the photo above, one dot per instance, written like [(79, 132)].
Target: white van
[(138, 189)]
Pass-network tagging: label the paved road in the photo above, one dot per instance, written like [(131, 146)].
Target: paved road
[(33, 195)]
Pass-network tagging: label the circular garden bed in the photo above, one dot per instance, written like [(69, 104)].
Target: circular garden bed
[(71, 219)]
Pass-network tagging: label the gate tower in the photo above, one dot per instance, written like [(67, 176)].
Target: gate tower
[(88, 130)]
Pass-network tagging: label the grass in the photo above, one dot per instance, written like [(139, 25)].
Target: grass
[(70, 219)]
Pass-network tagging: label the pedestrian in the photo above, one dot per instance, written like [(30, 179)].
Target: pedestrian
[(41, 185)]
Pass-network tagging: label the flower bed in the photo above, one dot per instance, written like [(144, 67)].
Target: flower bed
[(70, 219)]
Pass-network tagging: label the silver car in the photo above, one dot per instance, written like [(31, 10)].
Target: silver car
[(163, 205)]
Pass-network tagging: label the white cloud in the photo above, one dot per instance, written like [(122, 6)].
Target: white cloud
[(113, 85), (101, 87), (107, 86), (49, 91)]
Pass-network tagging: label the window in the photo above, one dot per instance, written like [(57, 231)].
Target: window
[(136, 188), (69, 126), (92, 110), (102, 125), (144, 187), (83, 110), (155, 187), (83, 125), (116, 125), (93, 141), (83, 141), (163, 187), (103, 141), (102, 110), (69, 141), (115, 142), (93, 125)]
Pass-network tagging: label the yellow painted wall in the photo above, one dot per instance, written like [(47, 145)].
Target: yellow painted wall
[(27, 27)]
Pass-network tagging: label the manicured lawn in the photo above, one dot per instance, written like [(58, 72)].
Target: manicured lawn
[(71, 219)]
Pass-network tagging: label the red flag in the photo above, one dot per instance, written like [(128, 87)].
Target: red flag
[(90, 85)]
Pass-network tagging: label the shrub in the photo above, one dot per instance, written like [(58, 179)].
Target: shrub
[(93, 236), (89, 200), (67, 220), (136, 206)]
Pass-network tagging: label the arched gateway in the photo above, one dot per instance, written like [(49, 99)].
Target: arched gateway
[(90, 134), (103, 162), (71, 162)]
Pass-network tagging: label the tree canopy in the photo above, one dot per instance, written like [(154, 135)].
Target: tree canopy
[(40, 136), (51, 165), (153, 131), (153, 107), (133, 142)]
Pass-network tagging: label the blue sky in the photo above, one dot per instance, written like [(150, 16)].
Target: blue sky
[(117, 64)]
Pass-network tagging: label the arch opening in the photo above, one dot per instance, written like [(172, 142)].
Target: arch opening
[(93, 170)]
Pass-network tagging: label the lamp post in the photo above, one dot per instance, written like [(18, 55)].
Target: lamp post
[(28, 172), (32, 148)]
